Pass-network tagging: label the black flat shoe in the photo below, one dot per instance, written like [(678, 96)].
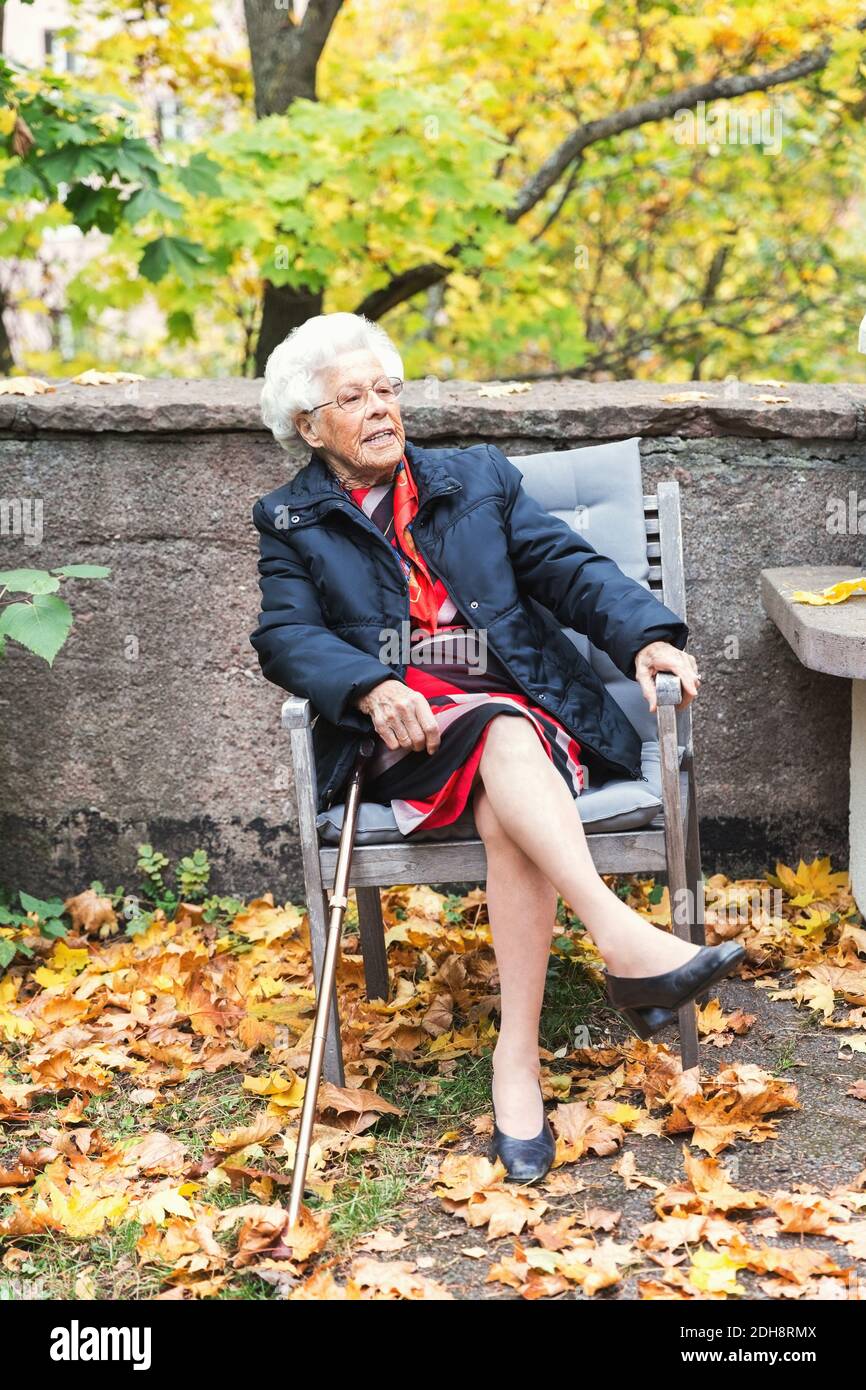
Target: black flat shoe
[(526, 1160), (647, 1022), (677, 987)]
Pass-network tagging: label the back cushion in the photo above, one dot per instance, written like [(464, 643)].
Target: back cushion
[(599, 491)]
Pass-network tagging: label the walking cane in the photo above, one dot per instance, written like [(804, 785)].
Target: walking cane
[(338, 903)]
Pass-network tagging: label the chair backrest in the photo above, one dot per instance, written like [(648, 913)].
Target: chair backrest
[(598, 490)]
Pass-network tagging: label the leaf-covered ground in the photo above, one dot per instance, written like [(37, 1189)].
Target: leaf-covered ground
[(151, 1084)]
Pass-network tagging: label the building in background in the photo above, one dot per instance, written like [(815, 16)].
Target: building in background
[(42, 36)]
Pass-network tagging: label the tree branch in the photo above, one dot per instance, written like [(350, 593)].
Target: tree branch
[(659, 109), (410, 282)]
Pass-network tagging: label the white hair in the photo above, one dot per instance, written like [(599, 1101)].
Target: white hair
[(294, 370)]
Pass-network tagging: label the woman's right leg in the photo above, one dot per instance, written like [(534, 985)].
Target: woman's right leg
[(521, 905)]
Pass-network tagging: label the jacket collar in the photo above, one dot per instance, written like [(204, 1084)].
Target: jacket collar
[(315, 482)]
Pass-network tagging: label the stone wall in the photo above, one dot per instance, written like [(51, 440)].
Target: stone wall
[(155, 723)]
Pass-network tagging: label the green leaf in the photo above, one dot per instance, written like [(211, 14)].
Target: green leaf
[(53, 928), (84, 571), (20, 183), (148, 200), (7, 952), (172, 253), (181, 326), (95, 207), (29, 581), (201, 177), (134, 161), (69, 165), (43, 909), (41, 626)]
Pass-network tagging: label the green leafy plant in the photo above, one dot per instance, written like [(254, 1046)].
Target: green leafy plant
[(151, 864), (139, 911), (221, 910), (452, 908), (193, 874), (42, 622), (48, 913), (116, 898)]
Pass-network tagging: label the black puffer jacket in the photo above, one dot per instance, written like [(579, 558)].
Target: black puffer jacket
[(331, 583)]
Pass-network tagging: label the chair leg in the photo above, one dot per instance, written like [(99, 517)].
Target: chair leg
[(694, 872), (319, 913), (676, 869), (372, 931)]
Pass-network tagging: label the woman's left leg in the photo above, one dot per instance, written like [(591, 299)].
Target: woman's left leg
[(537, 810), (521, 904)]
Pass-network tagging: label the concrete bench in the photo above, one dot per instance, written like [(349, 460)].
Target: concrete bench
[(830, 638)]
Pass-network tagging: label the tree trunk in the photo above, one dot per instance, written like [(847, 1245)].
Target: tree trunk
[(284, 57), (7, 362), (284, 307)]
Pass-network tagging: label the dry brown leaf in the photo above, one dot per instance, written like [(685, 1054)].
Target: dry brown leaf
[(23, 139), (357, 1109), (581, 1130), (384, 1240), (156, 1153), (626, 1167), (24, 386), (263, 1128), (505, 388), (90, 912), (93, 377), (395, 1279)]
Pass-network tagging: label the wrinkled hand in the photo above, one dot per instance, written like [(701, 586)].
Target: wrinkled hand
[(402, 717), (663, 656)]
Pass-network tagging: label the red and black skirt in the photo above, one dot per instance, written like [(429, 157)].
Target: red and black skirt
[(432, 789)]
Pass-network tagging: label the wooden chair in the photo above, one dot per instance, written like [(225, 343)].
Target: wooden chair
[(606, 495)]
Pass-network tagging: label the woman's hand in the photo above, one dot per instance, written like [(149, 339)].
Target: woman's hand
[(663, 656), (402, 717)]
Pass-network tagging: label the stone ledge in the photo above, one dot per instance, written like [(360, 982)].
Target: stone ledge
[(826, 637), (549, 410)]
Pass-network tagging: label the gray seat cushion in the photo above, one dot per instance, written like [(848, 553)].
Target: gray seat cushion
[(620, 804), (599, 492)]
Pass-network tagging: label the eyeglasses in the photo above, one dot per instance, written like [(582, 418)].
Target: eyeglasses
[(352, 398)]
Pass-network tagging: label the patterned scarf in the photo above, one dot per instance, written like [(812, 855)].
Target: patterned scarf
[(426, 594)]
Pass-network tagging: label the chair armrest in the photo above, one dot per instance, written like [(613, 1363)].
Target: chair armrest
[(669, 692), (297, 713), (669, 688)]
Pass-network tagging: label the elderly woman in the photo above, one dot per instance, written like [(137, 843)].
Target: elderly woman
[(376, 533)]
